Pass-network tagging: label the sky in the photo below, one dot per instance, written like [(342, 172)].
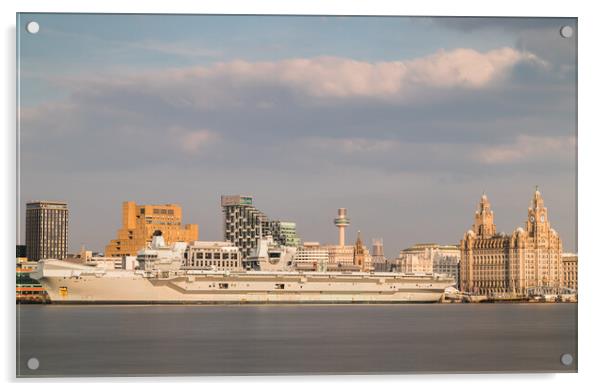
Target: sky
[(405, 121)]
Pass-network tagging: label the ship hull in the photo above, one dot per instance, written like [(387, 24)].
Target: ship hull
[(126, 287)]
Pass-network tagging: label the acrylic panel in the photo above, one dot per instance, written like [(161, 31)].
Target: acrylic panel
[(248, 194)]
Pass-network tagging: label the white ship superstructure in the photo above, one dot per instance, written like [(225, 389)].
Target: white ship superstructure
[(160, 258), (270, 256), (160, 278)]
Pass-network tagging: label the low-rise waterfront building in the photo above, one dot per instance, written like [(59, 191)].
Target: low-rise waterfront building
[(349, 257), (570, 270), (311, 257), (429, 258), (28, 290), (212, 256), (340, 257), (416, 259), (448, 264)]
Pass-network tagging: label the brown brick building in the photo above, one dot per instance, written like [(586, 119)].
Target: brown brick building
[(140, 221)]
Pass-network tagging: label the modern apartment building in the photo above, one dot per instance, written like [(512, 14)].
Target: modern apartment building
[(46, 230), (139, 222), (285, 233), (244, 225)]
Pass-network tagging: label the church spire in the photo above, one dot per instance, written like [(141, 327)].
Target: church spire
[(358, 241), (359, 253)]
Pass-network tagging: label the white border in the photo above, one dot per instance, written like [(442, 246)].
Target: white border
[(589, 183)]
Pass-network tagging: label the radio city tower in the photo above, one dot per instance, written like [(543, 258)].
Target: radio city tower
[(341, 222)]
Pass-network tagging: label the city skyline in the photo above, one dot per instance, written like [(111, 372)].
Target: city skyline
[(347, 241), (403, 121)]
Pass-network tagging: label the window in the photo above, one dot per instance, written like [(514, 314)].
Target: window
[(279, 286), (223, 285)]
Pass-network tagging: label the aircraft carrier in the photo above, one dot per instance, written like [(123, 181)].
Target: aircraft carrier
[(161, 279)]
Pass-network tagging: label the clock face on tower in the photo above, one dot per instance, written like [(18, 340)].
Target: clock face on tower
[(532, 218), (542, 218)]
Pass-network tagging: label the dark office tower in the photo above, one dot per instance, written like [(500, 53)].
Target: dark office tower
[(46, 230)]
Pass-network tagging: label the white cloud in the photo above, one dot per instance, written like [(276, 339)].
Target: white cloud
[(526, 148), (466, 67), (192, 142), (343, 77), (242, 83)]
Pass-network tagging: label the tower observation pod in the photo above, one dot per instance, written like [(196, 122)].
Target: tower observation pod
[(341, 222)]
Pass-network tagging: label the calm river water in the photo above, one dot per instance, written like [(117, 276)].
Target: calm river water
[(71, 340)]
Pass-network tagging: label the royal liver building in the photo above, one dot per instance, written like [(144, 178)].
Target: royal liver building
[(493, 263)]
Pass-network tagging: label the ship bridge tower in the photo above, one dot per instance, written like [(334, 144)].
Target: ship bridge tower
[(341, 222)]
